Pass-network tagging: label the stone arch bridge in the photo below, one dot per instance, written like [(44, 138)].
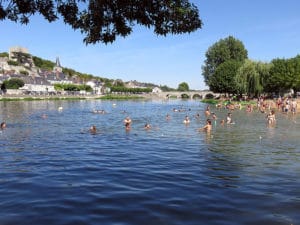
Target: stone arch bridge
[(187, 94)]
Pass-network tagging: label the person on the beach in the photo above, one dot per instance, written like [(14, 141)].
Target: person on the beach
[(207, 127)]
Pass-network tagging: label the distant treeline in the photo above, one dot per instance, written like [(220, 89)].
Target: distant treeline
[(130, 90), (73, 87)]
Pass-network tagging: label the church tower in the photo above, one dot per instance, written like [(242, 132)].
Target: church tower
[(57, 68)]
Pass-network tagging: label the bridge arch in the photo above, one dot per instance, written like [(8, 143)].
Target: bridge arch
[(197, 96), (184, 95)]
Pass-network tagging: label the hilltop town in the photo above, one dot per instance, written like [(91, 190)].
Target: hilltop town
[(20, 64)]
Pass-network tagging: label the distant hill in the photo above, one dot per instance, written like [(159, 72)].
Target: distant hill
[(35, 63)]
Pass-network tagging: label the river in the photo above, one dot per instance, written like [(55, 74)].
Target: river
[(54, 171)]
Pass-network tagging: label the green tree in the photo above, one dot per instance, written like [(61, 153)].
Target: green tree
[(294, 65), (263, 70), (220, 52), (224, 80), (281, 78), (13, 83), (166, 88), (248, 79), (103, 21), (183, 87)]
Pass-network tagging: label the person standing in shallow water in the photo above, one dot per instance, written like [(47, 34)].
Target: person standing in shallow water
[(207, 127), (229, 119), (127, 122), (207, 111), (186, 120)]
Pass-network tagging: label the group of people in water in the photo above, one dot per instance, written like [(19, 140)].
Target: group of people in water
[(286, 105), (210, 116)]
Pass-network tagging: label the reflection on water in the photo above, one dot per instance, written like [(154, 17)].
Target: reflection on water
[(53, 171)]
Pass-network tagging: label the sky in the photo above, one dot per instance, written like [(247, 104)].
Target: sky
[(268, 29)]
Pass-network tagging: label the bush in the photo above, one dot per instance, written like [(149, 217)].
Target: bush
[(24, 72), (12, 63), (73, 87), (13, 83)]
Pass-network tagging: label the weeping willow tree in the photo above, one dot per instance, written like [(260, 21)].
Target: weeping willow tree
[(249, 80)]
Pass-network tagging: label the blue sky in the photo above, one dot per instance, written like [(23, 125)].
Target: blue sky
[(268, 28)]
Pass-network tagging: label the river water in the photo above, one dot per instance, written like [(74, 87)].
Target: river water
[(53, 171)]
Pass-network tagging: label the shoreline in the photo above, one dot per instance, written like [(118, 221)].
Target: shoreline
[(68, 97)]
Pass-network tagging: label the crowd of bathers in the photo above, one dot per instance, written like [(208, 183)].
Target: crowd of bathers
[(267, 107)]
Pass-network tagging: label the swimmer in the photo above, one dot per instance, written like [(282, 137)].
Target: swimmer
[(207, 127), (99, 111), (168, 117), (186, 120), (214, 116), (207, 111), (147, 126), (93, 129), (271, 117), (249, 108), (222, 122), (229, 119), (3, 125), (127, 122)]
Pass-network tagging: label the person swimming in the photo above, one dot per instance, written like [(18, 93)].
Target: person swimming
[(168, 117), (207, 111), (186, 120), (99, 111), (207, 127), (93, 129), (127, 122), (3, 126), (229, 119), (147, 126)]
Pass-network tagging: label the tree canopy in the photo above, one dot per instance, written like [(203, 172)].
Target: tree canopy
[(224, 79), (183, 87), (13, 83), (103, 21), (220, 52), (227, 70)]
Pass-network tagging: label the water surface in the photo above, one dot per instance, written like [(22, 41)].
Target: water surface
[(53, 171)]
